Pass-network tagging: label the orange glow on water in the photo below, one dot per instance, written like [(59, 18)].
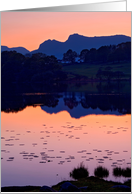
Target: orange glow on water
[(60, 137), (33, 116), (97, 127)]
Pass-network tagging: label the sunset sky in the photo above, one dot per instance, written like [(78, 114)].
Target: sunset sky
[(30, 29)]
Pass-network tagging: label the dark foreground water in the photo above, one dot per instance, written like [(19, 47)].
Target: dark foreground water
[(44, 136)]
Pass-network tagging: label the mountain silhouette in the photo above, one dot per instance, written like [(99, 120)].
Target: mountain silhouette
[(21, 50), (75, 42)]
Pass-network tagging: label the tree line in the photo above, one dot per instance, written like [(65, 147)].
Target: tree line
[(16, 68), (105, 54), (40, 68)]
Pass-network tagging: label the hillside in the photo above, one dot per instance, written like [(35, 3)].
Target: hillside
[(21, 50), (74, 42), (77, 43)]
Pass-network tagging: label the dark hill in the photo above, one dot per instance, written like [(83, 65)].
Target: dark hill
[(77, 43), (21, 50)]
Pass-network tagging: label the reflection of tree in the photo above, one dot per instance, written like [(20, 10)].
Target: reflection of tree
[(14, 102), (50, 100), (110, 87), (122, 103), (93, 101), (71, 101)]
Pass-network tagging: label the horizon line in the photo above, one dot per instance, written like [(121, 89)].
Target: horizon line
[(65, 40)]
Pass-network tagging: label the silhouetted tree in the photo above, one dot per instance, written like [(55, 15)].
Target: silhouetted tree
[(70, 56), (11, 65), (83, 54), (91, 55), (121, 52), (127, 50), (102, 54), (16, 68)]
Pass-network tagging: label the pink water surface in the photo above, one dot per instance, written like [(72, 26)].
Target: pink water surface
[(46, 147)]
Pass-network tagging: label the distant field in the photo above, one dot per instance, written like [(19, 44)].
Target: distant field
[(90, 70)]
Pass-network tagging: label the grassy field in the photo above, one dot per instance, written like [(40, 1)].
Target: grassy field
[(90, 70)]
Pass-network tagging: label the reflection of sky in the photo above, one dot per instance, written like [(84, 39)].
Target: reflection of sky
[(77, 111), (32, 135)]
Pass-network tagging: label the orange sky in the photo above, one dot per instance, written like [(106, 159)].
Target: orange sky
[(30, 29)]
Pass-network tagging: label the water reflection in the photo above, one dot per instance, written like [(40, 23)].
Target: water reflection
[(52, 144), (77, 104)]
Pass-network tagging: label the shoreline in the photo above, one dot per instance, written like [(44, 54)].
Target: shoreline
[(89, 184)]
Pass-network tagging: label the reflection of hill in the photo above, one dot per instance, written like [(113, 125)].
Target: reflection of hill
[(92, 104), (76, 111), (77, 105)]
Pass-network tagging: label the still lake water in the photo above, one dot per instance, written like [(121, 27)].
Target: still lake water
[(40, 145)]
